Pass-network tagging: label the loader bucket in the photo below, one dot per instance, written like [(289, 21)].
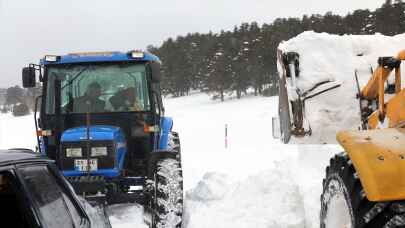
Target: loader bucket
[(284, 112), (291, 117), (379, 159)]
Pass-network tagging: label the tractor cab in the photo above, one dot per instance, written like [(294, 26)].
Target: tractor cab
[(101, 118)]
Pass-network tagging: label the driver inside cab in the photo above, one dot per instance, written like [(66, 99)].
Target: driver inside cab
[(90, 101), (126, 100)]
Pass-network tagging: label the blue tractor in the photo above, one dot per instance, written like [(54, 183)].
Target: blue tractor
[(101, 118)]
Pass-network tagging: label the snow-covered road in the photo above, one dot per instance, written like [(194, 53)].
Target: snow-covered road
[(255, 182)]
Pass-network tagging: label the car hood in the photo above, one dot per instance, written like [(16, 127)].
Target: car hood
[(97, 132)]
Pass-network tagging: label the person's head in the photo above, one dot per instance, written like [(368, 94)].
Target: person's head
[(93, 90), (130, 93)]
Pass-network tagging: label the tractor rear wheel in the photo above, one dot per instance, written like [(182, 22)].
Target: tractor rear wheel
[(344, 203), (174, 142), (167, 198)]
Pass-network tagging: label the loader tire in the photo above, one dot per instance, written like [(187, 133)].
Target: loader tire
[(167, 200), (345, 205)]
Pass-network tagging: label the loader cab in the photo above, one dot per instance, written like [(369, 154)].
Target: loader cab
[(110, 98)]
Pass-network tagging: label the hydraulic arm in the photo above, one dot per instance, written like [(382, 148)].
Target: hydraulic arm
[(375, 86)]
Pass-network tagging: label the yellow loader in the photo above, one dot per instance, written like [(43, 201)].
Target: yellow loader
[(365, 186)]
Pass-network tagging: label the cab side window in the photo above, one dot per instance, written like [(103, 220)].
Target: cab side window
[(157, 99)]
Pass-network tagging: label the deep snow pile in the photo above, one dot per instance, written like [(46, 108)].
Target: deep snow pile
[(335, 58)]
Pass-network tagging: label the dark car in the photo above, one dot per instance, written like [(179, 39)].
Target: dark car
[(33, 193)]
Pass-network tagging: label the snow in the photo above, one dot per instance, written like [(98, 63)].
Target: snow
[(242, 203), (335, 58), (255, 182), (126, 216), (17, 132), (339, 213)]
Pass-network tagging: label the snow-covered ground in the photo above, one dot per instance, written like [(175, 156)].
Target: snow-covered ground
[(255, 182)]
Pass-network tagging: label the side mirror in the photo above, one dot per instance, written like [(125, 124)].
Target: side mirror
[(156, 74), (28, 77), (275, 124)]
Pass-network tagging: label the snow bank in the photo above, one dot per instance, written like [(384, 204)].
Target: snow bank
[(126, 216), (335, 58), (267, 199), (308, 170)]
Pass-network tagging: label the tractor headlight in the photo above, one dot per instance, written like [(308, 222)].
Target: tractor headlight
[(51, 58), (137, 55), (74, 152), (98, 151)]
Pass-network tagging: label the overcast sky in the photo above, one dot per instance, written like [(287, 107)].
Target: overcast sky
[(32, 28)]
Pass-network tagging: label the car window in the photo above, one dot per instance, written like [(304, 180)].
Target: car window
[(54, 205), (13, 207)]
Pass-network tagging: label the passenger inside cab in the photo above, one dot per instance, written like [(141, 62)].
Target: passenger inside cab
[(126, 100)]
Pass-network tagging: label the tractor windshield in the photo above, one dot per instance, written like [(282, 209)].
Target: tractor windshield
[(98, 88)]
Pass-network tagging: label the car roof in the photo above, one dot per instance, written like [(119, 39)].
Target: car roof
[(15, 156)]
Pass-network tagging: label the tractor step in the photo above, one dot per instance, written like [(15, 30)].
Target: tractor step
[(138, 197), (86, 184), (94, 189)]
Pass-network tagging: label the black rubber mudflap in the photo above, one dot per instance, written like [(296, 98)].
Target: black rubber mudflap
[(365, 214)]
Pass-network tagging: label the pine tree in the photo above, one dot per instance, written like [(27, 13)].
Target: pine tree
[(234, 61)]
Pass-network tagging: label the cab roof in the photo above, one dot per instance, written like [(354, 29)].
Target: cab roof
[(91, 57)]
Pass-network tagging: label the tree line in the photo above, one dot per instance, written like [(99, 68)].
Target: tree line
[(20, 101), (231, 62)]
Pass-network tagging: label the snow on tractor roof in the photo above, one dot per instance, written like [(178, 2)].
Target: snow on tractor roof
[(325, 57)]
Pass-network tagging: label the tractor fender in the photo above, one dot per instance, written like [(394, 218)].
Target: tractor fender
[(166, 124), (378, 157)]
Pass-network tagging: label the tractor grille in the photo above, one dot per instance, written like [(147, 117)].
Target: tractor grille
[(104, 162)]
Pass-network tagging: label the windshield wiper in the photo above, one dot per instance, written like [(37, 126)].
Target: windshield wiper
[(75, 77)]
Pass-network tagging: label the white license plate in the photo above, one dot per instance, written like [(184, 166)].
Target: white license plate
[(81, 165)]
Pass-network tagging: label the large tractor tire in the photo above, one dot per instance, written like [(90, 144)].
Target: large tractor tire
[(174, 142), (344, 203), (167, 199)]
